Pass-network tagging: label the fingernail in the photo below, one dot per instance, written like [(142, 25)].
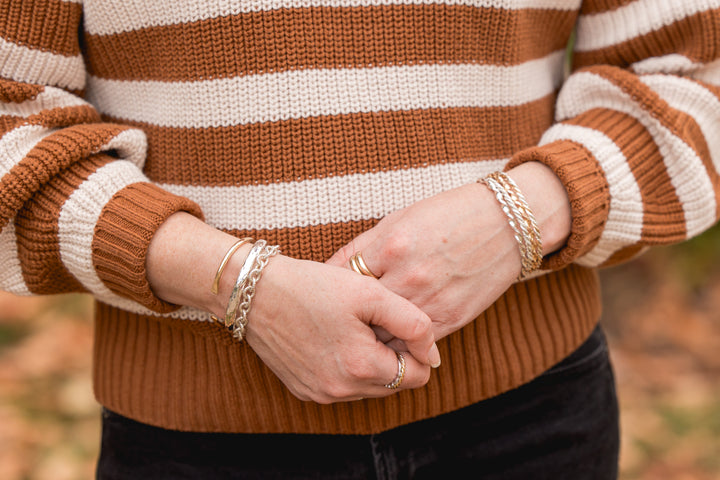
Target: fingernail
[(434, 356)]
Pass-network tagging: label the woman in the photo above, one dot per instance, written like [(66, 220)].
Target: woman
[(137, 154)]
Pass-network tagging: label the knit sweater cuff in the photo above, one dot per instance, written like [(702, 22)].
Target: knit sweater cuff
[(122, 237), (587, 190)]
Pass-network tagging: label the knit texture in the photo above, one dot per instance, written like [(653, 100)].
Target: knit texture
[(304, 123)]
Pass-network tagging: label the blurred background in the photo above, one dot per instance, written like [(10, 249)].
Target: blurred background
[(661, 314)]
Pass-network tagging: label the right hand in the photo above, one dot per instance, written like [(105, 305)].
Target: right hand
[(311, 324)]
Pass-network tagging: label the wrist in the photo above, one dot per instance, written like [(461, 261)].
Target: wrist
[(182, 260), (548, 200)]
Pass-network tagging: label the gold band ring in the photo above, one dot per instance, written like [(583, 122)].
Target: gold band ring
[(357, 263), (400, 374)]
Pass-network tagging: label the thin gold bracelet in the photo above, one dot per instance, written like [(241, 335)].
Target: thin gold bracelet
[(216, 282)]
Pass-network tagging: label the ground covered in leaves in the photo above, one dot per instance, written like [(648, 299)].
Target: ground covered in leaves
[(662, 317)]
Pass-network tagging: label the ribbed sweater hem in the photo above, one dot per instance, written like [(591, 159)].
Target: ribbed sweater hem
[(192, 376)]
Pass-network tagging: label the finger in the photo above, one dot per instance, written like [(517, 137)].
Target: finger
[(384, 336), (405, 374), (416, 373), (405, 321), (396, 344), (363, 266), (341, 257)]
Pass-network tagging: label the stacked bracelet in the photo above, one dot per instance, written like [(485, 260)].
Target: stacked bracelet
[(520, 218), (247, 292), (236, 313), (218, 275)]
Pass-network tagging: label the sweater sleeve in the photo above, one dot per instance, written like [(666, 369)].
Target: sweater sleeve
[(636, 140), (76, 211)]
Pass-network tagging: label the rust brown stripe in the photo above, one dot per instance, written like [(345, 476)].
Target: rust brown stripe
[(292, 39), (622, 255), (695, 37), (47, 159), (317, 147), (14, 92), (36, 226), (10, 122), (663, 215), (53, 118), (679, 123), (590, 7), (49, 25)]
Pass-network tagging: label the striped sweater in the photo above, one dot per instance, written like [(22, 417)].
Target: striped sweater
[(304, 123)]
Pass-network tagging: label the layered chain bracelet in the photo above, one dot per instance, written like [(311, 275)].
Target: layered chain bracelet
[(238, 308), (520, 218)]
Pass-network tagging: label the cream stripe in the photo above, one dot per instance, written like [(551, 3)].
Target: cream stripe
[(356, 191), (50, 98), (673, 63), (585, 90), (308, 93), (708, 73), (637, 18), (11, 277), (77, 220), (23, 64), (695, 100), (17, 143), (328, 200), (625, 216), (104, 18), (130, 145), (676, 64)]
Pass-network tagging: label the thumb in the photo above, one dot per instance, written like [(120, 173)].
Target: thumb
[(405, 322)]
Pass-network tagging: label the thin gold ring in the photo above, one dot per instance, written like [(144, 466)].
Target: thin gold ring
[(357, 263), (400, 374), (354, 266)]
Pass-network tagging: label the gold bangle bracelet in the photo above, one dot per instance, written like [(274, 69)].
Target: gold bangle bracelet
[(216, 282)]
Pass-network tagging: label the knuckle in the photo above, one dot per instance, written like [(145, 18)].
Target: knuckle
[(337, 391), (397, 246), (418, 278), (422, 326), (360, 369), (322, 399)]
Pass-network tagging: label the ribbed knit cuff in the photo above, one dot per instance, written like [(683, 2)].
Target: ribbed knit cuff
[(49, 233), (122, 237), (587, 191)]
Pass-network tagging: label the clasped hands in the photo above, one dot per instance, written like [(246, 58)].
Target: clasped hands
[(330, 334)]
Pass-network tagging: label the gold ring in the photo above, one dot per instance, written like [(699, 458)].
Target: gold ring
[(354, 266), (357, 263), (401, 373)]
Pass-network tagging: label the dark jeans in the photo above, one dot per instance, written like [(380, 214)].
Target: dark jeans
[(562, 425)]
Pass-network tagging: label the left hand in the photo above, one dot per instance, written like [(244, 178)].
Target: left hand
[(454, 254)]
